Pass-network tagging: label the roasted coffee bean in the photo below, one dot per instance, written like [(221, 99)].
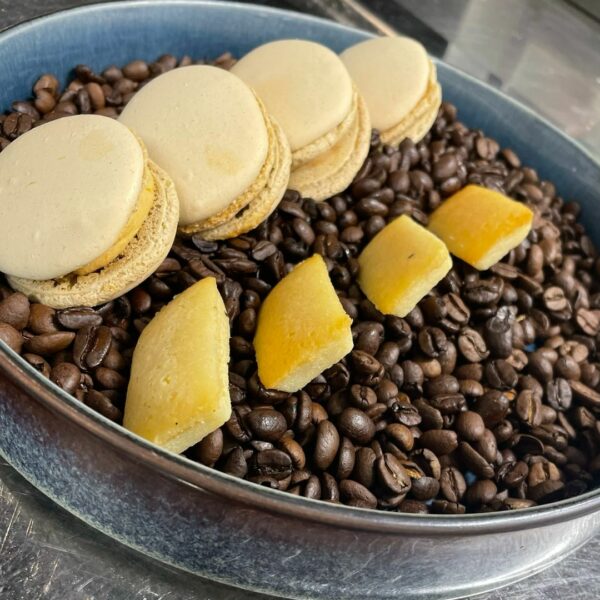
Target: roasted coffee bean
[(326, 445), (368, 337), (346, 459), (432, 341), (471, 388), (400, 435), (493, 407), (136, 70), (318, 413), (386, 391), (542, 471), (444, 507), (472, 346), (428, 462), (42, 319), (355, 424), (391, 475), (405, 413), (425, 488), (553, 435), (412, 374), (91, 346), (272, 463), (440, 441), (503, 431), (236, 427), (500, 375), (266, 424), (110, 379), (470, 426), (498, 333), (353, 493), (448, 404), (312, 489), (487, 446), (474, 461), (66, 376), (540, 367), (236, 463), (364, 466), (528, 408), (38, 363), (47, 344), (523, 444), (101, 403), (481, 492), (548, 491), (512, 474), (209, 450), (444, 384), (16, 124), (452, 484), (388, 354), (559, 394), (15, 310), (567, 367), (588, 320), (76, 318), (431, 417), (365, 363), (584, 418)]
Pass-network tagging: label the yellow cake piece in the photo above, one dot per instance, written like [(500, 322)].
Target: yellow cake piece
[(178, 391), (481, 226), (400, 265), (302, 328)]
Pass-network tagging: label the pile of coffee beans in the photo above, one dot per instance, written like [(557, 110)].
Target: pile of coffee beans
[(485, 397)]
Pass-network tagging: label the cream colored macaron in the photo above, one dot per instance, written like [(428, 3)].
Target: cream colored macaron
[(84, 216), (306, 87), (399, 84), (207, 128)]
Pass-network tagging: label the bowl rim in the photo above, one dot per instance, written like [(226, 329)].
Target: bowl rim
[(178, 467)]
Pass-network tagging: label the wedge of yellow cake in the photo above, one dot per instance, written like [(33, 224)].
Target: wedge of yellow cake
[(302, 328), (178, 391)]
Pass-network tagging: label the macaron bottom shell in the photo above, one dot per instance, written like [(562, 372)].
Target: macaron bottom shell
[(141, 257)]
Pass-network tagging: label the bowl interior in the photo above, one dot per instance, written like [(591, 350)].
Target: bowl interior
[(116, 33)]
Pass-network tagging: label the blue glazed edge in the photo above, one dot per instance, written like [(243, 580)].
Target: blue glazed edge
[(458, 88)]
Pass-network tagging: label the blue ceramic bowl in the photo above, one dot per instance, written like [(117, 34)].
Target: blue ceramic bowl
[(207, 522)]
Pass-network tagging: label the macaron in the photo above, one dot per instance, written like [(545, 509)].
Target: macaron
[(85, 216), (229, 159), (308, 90), (399, 84)]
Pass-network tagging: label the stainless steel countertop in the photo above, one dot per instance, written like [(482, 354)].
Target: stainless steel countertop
[(517, 45)]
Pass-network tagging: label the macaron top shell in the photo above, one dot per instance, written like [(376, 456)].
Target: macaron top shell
[(67, 189), (392, 74), (304, 86), (204, 126)]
